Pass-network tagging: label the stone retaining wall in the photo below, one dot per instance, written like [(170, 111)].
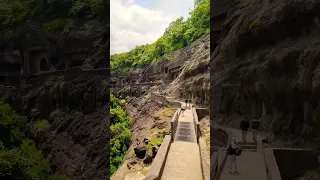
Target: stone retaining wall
[(294, 163), (156, 169), (219, 141), (219, 137), (202, 112)]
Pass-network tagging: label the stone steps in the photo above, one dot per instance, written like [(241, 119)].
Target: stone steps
[(185, 132), (249, 146)]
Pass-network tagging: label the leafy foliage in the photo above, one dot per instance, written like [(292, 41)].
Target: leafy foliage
[(12, 126), (42, 124), (120, 133), (254, 23), (19, 157), (179, 34), (15, 12)]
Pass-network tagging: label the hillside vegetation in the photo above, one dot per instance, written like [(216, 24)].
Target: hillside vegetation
[(120, 133), (179, 34), (19, 157), (53, 15)]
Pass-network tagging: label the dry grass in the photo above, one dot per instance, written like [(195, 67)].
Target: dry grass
[(165, 113), (156, 135), (147, 96), (205, 130)]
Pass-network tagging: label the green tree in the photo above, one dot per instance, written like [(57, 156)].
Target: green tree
[(19, 156), (179, 34), (120, 133), (12, 126)]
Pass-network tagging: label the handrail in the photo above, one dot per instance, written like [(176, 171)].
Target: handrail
[(160, 160), (196, 123), (271, 165), (216, 166), (174, 123)]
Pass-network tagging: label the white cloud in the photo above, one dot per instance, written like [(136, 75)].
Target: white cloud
[(132, 23)]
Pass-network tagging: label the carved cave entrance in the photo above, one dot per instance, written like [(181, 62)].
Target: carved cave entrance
[(43, 64), (2, 79)]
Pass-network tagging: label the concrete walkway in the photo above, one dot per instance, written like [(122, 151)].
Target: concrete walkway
[(183, 161), (250, 165)]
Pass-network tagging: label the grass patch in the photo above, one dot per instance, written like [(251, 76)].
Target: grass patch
[(154, 87), (154, 142), (254, 23), (56, 24), (131, 153), (147, 96), (42, 124), (122, 101), (207, 139), (165, 113)]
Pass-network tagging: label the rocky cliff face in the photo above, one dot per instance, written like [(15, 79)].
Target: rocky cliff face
[(77, 111), (151, 118), (267, 66), (194, 79), (89, 40)]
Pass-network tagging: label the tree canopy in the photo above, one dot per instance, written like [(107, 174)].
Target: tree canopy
[(19, 156), (54, 15), (179, 34)]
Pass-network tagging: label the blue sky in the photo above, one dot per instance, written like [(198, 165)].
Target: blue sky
[(137, 22)]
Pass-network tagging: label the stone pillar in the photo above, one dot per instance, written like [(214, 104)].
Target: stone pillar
[(6, 80), (22, 82), (25, 67), (66, 63)]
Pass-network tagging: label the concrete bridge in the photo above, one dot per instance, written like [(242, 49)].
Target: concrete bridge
[(180, 154), (257, 161)]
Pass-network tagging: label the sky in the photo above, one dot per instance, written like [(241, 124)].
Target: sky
[(138, 22)]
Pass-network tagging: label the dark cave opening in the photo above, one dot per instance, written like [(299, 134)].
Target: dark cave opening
[(297, 120), (55, 60), (2, 79), (43, 64)]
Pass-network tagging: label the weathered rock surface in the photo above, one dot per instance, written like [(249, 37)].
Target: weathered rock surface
[(311, 175), (77, 112), (150, 120), (267, 66), (194, 79)]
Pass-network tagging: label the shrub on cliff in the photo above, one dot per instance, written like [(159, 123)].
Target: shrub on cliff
[(42, 124), (19, 157), (120, 133), (12, 126)]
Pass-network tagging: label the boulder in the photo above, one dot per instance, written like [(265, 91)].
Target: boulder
[(140, 151)]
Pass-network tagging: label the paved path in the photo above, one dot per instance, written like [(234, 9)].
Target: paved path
[(183, 161), (185, 129), (251, 165)]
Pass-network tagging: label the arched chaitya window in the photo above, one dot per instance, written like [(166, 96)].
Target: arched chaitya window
[(43, 64)]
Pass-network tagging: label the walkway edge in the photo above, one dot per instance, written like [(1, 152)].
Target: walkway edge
[(203, 153), (271, 165), (160, 160)]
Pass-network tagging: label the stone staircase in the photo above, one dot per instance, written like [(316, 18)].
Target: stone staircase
[(249, 146)]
